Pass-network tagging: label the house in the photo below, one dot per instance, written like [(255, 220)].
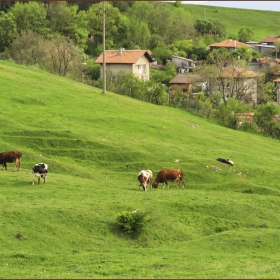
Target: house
[(265, 49), (187, 82), (136, 62), (235, 82), (183, 64), (230, 44), (270, 40), (267, 45)]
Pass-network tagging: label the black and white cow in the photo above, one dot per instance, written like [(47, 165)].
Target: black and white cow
[(40, 170)]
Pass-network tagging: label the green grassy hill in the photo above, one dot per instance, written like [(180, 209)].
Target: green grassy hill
[(225, 224), (262, 23)]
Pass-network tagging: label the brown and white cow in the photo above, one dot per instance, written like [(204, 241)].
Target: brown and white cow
[(40, 170), (171, 175), (10, 156), (145, 177)]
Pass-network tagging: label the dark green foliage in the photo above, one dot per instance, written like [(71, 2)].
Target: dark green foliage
[(264, 115), (131, 222)]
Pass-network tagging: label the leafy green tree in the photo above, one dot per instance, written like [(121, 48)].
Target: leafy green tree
[(203, 26), (95, 25), (269, 93), (138, 34), (263, 117), (210, 27), (66, 20), (180, 27), (8, 31), (30, 16), (245, 34), (92, 69)]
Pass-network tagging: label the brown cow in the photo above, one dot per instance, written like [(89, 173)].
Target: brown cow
[(11, 156), (172, 175), (145, 177)]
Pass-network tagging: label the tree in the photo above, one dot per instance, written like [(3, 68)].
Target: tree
[(264, 115), (30, 16), (245, 34), (61, 56), (66, 20), (95, 25), (28, 48), (8, 31), (269, 93), (138, 34), (229, 76)]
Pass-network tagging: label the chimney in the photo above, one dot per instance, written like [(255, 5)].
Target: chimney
[(120, 51)]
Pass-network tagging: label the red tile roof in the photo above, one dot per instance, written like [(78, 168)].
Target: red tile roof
[(124, 56), (238, 72), (186, 79), (230, 44), (270, 39)]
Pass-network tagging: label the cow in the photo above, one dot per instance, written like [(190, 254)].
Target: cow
[(172, 175), (145, 177), (225, 160), (40, 170), (10, 156)]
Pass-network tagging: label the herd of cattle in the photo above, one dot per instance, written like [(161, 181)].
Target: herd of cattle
[(145, 177), (39, 170)]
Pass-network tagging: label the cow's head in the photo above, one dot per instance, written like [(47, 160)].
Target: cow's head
[(155, 185)]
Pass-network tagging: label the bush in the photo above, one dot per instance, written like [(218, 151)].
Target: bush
[(131, 222)]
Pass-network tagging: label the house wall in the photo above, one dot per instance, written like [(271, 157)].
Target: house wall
[(141, 68), (115, 68), (182, 63), (264, 49), (185, 87)]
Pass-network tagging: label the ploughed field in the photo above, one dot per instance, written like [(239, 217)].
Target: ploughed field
[(224, 224)]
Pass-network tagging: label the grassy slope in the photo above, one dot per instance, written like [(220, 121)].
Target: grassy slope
[(222, 225), (262, 23)]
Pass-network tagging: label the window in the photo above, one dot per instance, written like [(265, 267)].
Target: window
[(140, 69)]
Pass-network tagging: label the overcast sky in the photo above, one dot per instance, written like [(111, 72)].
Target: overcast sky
[(252, 5)]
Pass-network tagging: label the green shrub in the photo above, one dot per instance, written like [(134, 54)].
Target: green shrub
[(131, 222)]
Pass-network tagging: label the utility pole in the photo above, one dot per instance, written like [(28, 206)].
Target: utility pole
[(104, 48)]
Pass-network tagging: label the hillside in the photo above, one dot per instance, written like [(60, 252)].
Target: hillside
[(225, 224), (262, 23)]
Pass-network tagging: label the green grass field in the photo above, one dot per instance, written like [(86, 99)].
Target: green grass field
[(224, 224), (262, 23)]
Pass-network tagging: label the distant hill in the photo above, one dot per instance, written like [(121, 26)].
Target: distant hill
[(263, 23)]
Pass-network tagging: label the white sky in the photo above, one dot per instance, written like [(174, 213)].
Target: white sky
[(252, 5)]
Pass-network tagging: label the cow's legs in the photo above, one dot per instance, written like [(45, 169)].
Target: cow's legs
[(166, 184)]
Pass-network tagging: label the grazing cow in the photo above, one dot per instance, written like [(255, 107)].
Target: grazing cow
[(40, 170), (145, 177), (227, 161), (172, 175), (11, 156)]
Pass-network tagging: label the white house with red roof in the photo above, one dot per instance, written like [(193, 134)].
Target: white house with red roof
[(136, 62)]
